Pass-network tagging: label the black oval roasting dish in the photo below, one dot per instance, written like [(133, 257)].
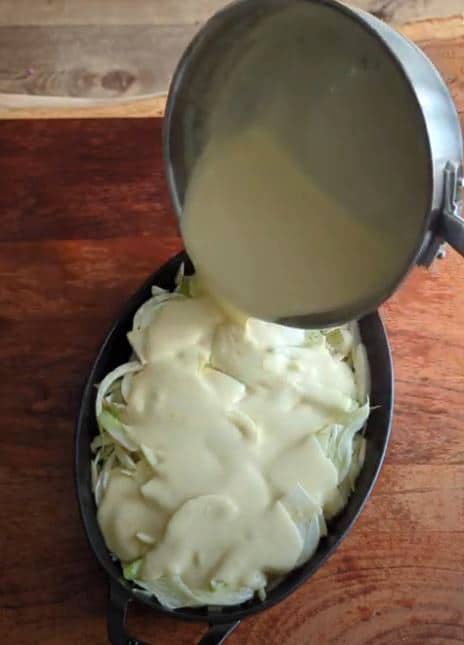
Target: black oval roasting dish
[(116, 350)]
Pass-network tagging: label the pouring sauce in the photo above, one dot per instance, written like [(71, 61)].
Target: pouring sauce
[(266, 238)]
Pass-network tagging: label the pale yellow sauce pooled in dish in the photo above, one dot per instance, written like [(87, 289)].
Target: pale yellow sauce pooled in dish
[(223, 446)]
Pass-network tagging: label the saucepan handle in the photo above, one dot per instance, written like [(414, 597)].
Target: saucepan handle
[(453, 231), (452, 224), (116, 620), (116, 617)]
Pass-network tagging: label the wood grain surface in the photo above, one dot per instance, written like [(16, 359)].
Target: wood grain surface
[(443, 40), (85, 218), (174, 12), (103, 50)]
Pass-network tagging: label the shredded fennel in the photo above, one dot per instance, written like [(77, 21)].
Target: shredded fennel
[(342, 443)]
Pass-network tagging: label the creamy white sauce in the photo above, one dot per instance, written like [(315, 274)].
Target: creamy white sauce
[(227, 413), (267, 239)]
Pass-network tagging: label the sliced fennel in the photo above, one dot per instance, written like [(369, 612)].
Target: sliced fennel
[(116, 429), (173, 593), (309, 519), (131, 569), (149, 456), (340, 495), (111, 380), (337, 440), (361, 372), (117, 449)]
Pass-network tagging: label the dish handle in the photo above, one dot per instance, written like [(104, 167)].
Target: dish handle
[(116, 621), (116, 617), (217, 634)]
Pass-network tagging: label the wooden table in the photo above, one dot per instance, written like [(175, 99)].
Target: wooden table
[(85, 217)]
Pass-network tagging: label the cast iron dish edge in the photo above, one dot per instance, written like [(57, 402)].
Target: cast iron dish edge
[(114, 351)]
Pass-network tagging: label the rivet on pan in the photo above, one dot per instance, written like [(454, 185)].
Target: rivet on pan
[(441, 253)]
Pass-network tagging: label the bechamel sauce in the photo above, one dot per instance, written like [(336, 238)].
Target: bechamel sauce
[(265, 238), (230, 411)]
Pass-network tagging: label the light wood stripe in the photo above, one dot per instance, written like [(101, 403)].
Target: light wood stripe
[(107, 12), (105, 77), (174, 12), (90, 61)]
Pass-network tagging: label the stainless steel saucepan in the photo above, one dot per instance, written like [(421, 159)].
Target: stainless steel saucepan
[(363, 109)]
